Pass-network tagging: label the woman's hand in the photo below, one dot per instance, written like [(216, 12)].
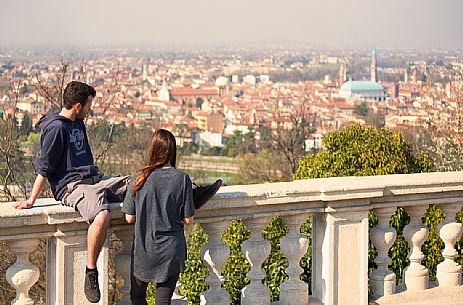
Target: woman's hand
[(130, 218), (188, 220)]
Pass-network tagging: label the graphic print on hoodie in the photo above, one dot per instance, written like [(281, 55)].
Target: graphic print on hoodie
[(65, 154)]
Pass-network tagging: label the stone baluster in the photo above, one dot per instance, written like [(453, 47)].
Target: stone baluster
[(256, 249), (294, 246), (416, 233), (215, 254), (22, 275), (449, 271), (122, 261), (383, 237)]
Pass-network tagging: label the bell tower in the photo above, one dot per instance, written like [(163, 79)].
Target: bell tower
[(374, 70)]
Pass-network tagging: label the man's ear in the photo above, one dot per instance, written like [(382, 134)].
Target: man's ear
[(77, 106)]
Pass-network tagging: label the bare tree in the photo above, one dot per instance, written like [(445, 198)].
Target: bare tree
[(289, 132), (442, 137), (184, 141), (264, 166), (52, 90), (11, 161)]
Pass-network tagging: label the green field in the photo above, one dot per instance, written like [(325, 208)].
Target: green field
[(207, 177), (211, 159)]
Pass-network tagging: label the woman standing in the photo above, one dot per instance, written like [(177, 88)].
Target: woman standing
[(159, 201)]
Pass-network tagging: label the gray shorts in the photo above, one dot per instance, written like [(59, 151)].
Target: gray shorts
[(92, 195)]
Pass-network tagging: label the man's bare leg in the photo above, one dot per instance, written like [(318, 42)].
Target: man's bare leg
[(96, 237)]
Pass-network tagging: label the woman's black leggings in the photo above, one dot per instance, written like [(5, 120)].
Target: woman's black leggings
[(164, 291)]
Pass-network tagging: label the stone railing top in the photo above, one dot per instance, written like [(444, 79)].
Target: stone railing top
[(313, 195)]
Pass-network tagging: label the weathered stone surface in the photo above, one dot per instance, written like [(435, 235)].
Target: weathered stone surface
[(432, 296)]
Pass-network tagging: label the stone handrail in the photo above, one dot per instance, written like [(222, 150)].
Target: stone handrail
[(339, 209)]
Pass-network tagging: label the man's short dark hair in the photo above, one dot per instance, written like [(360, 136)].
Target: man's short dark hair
[(77, 92)]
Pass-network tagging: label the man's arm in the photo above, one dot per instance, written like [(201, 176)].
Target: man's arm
[(39, 184)]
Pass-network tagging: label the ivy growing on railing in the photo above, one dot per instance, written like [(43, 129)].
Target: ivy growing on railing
[(234, 271), (400, 249), (275, 264), (237, 266), (434, 245)]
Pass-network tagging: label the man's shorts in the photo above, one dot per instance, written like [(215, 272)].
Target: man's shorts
[(92, 195)]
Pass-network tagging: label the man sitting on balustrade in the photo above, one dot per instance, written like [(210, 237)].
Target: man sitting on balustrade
[(66, 162)]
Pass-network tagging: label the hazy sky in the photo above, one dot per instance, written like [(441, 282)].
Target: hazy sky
[(363, 23)]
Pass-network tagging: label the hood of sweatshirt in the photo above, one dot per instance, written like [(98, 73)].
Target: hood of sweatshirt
[(51, 117)]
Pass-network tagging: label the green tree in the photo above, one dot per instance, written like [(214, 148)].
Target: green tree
[(363, 151), (199, 102), (26, 125), (239, 143), (362, 109)]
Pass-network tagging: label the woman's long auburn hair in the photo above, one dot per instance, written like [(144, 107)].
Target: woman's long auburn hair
[(162, 150)]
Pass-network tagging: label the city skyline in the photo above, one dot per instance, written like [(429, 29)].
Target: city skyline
[(350, 23)]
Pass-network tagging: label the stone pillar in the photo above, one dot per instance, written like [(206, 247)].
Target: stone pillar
[(22, 275), (66, 261), (416, 233), (294, 246), (122, 261), (256, 249), (383, 236), (340, 257), (215, 254), (449, 271)]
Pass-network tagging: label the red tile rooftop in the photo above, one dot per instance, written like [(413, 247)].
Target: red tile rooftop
[(343, 105), (169, 125), (207, 85), (142, 107), (325, 90), (201, 114), (194, 92)]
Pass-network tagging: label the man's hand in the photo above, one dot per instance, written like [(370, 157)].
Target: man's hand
[(39, 183), (26, 204)]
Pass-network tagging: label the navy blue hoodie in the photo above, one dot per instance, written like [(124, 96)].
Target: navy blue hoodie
[(65, 155)]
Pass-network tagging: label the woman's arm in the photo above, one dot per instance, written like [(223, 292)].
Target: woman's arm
[(130, 218), (188, 220)]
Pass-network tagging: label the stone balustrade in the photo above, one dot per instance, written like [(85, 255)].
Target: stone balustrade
[(339, 208)]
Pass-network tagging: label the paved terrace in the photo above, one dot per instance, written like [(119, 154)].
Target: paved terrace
[(339, 209)]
